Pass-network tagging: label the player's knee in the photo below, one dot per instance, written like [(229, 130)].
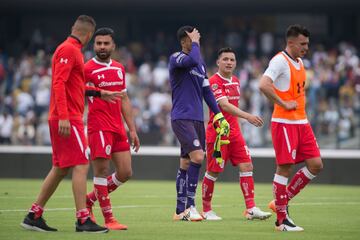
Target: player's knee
[(125, 176), (316, 168), (198, 158), (62, 172), (246, 167)]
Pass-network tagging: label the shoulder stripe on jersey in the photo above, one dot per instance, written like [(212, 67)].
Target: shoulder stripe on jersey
[(104, 69), (180, 57)]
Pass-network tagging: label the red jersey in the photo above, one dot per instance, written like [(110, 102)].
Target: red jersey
[(224, 88), (105, 116), (68, 81)]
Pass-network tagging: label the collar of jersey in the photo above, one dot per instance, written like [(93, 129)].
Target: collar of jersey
[(102, 63), (224, 78), (296, 61), (76, 41)]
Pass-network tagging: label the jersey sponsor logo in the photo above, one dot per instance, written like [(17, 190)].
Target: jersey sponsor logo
[(196, 143), (64, 60), (108, 84), (217, 92), (101, 76), (120, 74), (234, 97), (108, 149)]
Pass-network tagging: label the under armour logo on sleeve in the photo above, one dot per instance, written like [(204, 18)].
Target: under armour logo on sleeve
[(64, 60), (102, 76)]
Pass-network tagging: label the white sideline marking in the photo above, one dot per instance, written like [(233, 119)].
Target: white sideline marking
[(162, 206)]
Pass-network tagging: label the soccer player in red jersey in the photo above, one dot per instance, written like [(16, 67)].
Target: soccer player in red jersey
[(107, 135), (226, 89), (283, 83), (69, 145)]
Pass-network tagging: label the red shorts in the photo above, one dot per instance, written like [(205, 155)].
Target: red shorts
[(236, 151), (104, 143), (69, 151), (293, 143)]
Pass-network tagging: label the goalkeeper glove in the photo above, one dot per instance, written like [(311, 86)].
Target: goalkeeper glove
[(217, 149), (221, 126)]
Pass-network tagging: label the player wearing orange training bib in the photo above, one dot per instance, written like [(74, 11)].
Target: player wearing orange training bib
[(294, 142)]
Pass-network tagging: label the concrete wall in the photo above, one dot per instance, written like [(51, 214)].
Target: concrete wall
[(341, 166)]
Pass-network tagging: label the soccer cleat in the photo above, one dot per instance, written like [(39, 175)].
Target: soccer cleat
[(210, 216), (184, 216), (287, 226), (194, 215), (89, 226), (256, 213), (273, 208), (113, 224), (38, 224)]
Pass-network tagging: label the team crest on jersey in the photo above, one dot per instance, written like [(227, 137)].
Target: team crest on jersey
[(214, 86), (108, 149), (293, 154), (196, 143), (120, 74)]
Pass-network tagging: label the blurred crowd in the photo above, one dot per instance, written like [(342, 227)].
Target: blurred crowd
[(333, 87)]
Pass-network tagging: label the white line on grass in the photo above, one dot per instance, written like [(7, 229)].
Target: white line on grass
[(162, 206)]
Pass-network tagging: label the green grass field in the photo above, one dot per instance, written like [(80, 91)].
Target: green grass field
[(325, 211)]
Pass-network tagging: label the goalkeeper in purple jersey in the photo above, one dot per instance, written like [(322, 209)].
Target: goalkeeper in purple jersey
[(190, 85)]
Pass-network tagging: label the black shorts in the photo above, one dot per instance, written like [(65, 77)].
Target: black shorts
[(191, 135)]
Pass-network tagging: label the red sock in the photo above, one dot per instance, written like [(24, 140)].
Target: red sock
[(113, 183), (37, 209), (82, 215), (90, 199), (281, 199), (298, 182), (247, 187), (207, 191), (101, 191)]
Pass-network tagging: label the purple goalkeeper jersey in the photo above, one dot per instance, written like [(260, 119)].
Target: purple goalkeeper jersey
[(187, 79)]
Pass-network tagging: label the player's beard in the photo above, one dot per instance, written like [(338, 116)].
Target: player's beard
[(103, 55)]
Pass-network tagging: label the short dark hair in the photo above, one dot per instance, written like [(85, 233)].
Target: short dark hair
[(105, 31), (295, 30), (181, 32), (225, 50), (86, 19)]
